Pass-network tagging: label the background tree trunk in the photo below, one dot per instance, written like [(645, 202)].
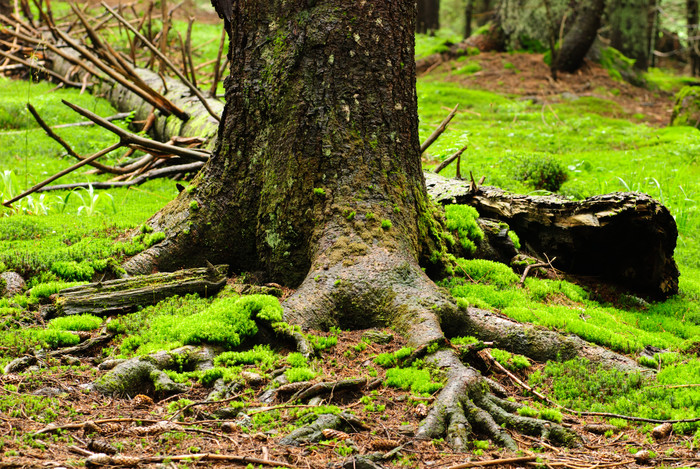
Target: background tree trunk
[(428, 16), (628, 24), (693, 52), (580, 37)]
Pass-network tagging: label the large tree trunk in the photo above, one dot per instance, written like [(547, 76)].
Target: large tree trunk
[(580, 37), (318, 145), (628, 25), (428, 17)]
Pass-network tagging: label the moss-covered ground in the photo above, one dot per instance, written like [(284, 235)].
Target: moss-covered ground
[(590, 143)]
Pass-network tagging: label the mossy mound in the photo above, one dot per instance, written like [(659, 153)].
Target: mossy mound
[(686, 111)]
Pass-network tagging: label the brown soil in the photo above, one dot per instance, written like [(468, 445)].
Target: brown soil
[(530, 76), (199, 433)]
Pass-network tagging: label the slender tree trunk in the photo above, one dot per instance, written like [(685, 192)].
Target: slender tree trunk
[(580, 37), (428, 17), (652, 30), (468, 13), (693, 47), (628, 24)]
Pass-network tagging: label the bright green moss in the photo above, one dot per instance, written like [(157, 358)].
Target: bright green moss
[(78, 322), (462, 219)]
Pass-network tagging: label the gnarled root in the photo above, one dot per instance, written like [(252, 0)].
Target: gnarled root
[(466, 406), (384, 289)]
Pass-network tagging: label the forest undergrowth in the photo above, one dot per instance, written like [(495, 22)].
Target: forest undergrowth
[(539, 139)]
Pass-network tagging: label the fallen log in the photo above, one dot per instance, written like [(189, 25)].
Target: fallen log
[(624, 238), (125, 295)]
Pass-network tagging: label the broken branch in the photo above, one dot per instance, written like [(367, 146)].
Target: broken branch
[(441, 128)]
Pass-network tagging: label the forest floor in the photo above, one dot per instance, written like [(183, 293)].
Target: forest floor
[(49, 396), (527, 76), (391, 416)]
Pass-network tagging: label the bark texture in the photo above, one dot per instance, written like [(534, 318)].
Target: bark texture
[(126, 295), (318, 147), (580, 37), (625, 238)]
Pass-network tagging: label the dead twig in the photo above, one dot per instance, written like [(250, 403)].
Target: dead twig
[(41, 68), (153, 174), (147, 94), (79, 164), (145, 144), (534, 266), (441, 128), (60, 141), (494, 462), (449, 160), (175, 70)]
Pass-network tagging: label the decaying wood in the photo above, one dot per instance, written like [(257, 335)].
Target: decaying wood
[(626, 238), (126, 295)]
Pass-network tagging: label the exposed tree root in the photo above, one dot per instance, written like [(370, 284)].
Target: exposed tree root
[(382, 289)]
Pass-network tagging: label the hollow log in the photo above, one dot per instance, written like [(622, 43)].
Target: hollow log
[(624, 238), (125, 295)]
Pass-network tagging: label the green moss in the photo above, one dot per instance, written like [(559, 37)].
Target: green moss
[(417, 380), (261, 356), (686, 110), (194, 206), (462, 219), (294, 375), (319, 191), (79, 322)]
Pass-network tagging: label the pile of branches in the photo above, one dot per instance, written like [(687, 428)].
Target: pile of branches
[(72, 51)]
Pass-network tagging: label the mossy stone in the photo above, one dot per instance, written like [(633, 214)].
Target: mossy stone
[(686, 111)]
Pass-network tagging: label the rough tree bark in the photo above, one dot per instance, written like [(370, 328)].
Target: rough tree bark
[(316, 182), (580, 37), (428, 17)]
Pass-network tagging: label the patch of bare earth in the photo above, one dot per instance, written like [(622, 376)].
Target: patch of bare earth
[(528, 75)]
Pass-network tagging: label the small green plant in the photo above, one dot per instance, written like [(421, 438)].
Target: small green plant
[(319, 191), (79, 322), (386, 224), (526, 411), (462, 219), (469, 68), (320, 343), (194, 206), (512, 362), (90, 203), (417, 380), (297, 360), (552, 415), (391, 359), (294, 375), (540, 172), (260, 355)]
